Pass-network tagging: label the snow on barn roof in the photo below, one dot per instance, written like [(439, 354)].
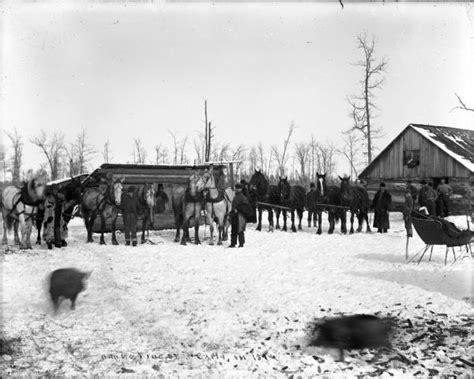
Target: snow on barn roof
[(457, 143)]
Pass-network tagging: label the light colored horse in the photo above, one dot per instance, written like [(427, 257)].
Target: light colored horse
[(104, 203), (146, 202), (19, 207), (187, 203), (218, 206)]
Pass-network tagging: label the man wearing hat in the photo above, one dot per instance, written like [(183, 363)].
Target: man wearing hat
[(381, 205), (240, 211), (129, 205)]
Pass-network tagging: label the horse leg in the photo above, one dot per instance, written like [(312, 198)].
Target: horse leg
[(185, 230), (331, 222), (23, 229), (144, 224), (270, 220), (293, 226), (114, 228), (320, 221), (277, 216), (225, 232), (352, 223), (310, 216), (300, 217), (211, 228), (259, 224), (285, 214), (5, 238), (102, 229), (197, 241), (221, 231), (343, 222), (39, 224), (366, 217), (178, 222), (16, 236), (29, 229), (360, 220)]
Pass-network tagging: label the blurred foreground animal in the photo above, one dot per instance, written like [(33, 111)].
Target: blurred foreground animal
[(352, 332), (67, 283)]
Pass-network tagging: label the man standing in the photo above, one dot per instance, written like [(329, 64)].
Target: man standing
[(430, 197), (240, 211), (129, 205), (407, 209), (444, 192), (381, 205)]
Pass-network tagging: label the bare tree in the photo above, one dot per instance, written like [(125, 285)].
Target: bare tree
[(199, 147), (462, 105), (106, 152), (253, 159), (282, 156), (302, 152), (161, 154), (80, 152), (182, 150), (362, 105), (17, 155), (139, 151), (351, 152), (208, 135), (327, 152), (53, 149)]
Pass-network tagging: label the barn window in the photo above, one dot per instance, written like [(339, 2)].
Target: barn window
[(411, 158)]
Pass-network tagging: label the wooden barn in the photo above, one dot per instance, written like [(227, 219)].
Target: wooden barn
[(424, 152), (170, 176)]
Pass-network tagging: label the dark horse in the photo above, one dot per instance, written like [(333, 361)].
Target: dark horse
[(187, 204), (261, 191), (106, 204), (357, 199), (327, 198), (293, 197), (72, 192), (146, 203)]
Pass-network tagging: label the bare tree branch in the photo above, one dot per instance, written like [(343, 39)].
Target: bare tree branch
[(463, 106)]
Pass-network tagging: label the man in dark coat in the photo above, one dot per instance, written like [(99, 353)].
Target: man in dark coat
[(444, 192), (412, 189), (161, 199), (407, 210), (381, 204), (240, 211), (130, 205)]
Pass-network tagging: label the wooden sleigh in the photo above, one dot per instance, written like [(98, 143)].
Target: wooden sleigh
[(437, 231)]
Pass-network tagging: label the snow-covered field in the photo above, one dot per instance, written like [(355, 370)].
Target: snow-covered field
[(211, 311)]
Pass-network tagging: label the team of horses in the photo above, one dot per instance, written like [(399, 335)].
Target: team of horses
[(21, 206)]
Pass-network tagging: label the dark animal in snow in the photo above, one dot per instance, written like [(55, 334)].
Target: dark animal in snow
[(353, 332), (68, 283)]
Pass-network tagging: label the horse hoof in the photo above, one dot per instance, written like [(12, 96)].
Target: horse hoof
[(277, 227), (219, 243), (197, 242), (90, 241), (102, 242), (38, 242), (318, 232), (351, 232), (300, 228), (176, 239), (293, 230), (211, 243), (114, 243), (183, 243), (259, 228)]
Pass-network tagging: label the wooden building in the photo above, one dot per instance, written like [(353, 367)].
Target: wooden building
[(170, 176), (424, 152)]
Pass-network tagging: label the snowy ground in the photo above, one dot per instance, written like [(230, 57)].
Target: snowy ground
[(211, 311)]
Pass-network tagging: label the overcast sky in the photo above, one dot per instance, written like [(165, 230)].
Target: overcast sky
[(126, 70)]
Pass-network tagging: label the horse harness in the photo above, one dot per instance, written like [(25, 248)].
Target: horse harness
[(25, 198)]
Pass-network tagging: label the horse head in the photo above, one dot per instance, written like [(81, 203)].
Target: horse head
[(36, 189), (284, 188), (345, 187), (321, 184), (258, 184), (117, 188)]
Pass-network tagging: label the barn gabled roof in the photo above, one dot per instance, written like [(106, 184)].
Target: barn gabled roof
[(457, 143)]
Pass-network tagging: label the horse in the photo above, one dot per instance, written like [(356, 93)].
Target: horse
[(357, 199), (218, 204), (19, 206), (327, 198), (72, 192), (187, 203), (293, 197), (104, 203), (311, 201), (146, 202), (261, 191)]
